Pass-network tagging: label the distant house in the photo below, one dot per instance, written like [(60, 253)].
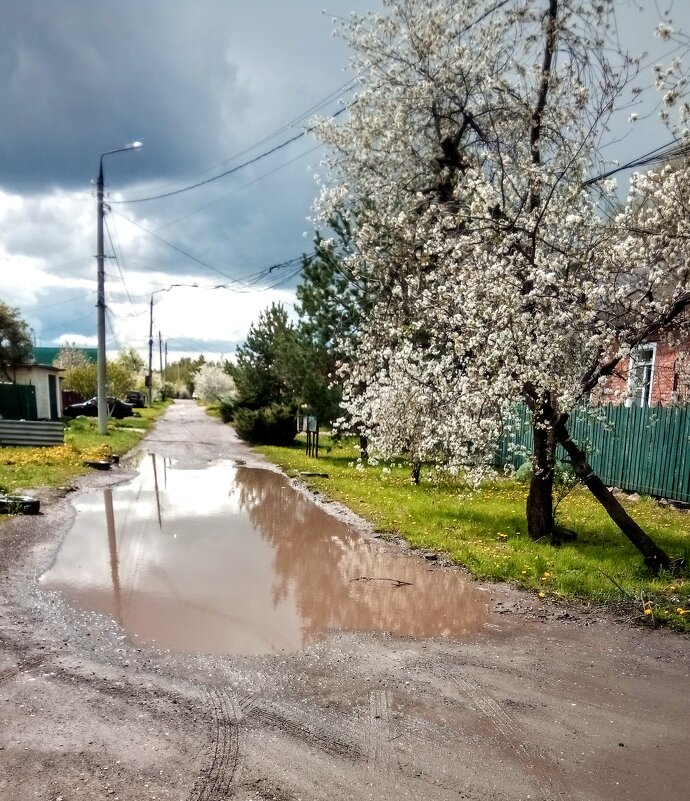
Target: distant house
[(657, 373), (45, 379)]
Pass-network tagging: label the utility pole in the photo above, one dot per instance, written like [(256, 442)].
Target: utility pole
[(150, 381), (160, 339), (100, 304)]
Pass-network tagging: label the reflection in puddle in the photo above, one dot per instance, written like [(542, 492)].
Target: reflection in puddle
[(233, 560)]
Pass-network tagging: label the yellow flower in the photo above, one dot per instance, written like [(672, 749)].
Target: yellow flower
[(542, 594), (648, 611), (682, 611)]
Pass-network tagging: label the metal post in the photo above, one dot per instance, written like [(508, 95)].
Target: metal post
[(160, 355), (100, 303)]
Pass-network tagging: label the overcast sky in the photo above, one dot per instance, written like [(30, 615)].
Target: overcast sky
[(202, 83)]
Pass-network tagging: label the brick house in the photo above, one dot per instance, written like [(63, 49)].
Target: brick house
[(657, 373)]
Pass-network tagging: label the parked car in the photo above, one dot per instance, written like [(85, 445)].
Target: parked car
[(136, 399), (116, 408)]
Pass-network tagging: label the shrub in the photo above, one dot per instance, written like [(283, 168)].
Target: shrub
[(226, 409), (269, 425)]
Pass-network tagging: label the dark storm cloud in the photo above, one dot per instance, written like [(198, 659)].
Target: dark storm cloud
[(199, 82), (77, 79)]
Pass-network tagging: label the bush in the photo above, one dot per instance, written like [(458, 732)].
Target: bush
[(226, 409), (269, 425)]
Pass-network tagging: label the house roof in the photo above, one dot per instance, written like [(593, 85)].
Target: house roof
[(36, 366), (46, 356)]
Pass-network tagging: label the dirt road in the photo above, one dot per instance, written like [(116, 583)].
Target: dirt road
[(531, 707)]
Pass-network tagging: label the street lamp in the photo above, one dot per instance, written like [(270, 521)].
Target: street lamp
[(150, 376), (102, 399)]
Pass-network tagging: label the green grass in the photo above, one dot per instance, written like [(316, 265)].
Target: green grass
[(485, 530), (23, 469)]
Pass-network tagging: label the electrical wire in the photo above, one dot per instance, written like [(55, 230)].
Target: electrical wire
[(334, 95), (238, 285), (58, 302), (662, 153), (112, 330), (66, 322), (240, 188), (117, 263), (230, 171)]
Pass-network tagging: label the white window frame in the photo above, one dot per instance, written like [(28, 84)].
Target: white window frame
[(632, 389)]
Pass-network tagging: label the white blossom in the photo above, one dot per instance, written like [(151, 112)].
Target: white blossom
[(501, 275)]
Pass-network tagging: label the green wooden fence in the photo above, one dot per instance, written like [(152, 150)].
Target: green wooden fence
[(18, 401), (645, 450)]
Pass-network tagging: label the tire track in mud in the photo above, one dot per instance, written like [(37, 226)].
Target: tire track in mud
[(544, 771), (293, 722), (215, 781), (380, 751), (24, 666)]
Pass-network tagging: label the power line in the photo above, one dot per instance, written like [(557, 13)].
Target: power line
[(117, 261), (334, 95), (240, 286), (231, 171), (66, 322), (662, 153), (112, 330), (240, 188)]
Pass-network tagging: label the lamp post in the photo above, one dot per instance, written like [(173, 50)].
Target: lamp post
[(150, 375), (100, 303)]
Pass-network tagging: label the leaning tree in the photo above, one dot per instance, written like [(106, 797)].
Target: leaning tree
[(467, 169)]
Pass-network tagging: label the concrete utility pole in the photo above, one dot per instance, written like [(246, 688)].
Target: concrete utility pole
[(150, 381), (100, 303), (160, 355)]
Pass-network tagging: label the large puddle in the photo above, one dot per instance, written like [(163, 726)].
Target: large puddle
[(233, 560)]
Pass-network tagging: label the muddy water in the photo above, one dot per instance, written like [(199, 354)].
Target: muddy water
[(231, 559)]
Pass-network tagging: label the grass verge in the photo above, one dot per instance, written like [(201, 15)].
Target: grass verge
[(26, 468), (485, 530)]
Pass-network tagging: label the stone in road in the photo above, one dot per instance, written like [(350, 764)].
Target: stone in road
[(527, 707)]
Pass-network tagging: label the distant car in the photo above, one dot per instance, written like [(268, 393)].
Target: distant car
[(116, 408), (136, 399)]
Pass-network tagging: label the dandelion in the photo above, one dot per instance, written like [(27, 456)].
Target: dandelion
[(542, 594), (682, 611), (648, 611)]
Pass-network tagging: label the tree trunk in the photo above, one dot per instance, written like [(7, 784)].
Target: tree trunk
[(540, 521), (416, 470), (363, 448), (654, 557)]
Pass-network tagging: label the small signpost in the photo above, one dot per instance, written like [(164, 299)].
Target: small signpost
[(310, 426)]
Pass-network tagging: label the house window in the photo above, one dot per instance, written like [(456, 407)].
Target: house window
[(641, 375)]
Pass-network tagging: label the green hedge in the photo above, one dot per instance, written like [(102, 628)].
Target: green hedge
[(269, 425)]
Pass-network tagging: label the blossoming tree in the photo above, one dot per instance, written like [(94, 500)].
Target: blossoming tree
[(213, 384), (465, 171)]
